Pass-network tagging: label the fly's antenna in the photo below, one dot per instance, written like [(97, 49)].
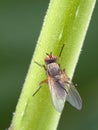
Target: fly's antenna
[(47, 54), (50, 55), (61, 50)]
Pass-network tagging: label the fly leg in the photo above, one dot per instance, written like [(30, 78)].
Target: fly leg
[(42, 82), (61, 50), (66, 78), (40, 65), (40, 85)]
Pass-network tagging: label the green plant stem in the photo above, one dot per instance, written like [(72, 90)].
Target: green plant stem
[(66, 22)]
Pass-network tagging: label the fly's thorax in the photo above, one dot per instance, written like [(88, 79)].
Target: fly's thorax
[(53, 69)]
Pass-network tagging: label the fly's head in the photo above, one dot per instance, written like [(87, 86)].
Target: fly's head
[(50, 58)]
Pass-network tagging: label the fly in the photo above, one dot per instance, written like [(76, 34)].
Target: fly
[(60, 85)]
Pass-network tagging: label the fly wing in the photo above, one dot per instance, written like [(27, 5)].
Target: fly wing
[(58, 94), (73, 97)]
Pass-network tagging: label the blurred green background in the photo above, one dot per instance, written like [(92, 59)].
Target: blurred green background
[(20, 25)]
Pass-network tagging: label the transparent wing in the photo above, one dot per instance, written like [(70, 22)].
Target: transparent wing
[(73, 97), (58, 94)]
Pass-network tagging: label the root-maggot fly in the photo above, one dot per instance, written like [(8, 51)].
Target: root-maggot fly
[(60, 85)]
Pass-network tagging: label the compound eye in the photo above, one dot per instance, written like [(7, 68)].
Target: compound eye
[(46, 60), (54, 58)]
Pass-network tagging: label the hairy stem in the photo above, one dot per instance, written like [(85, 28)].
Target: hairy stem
[(66, 22)]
